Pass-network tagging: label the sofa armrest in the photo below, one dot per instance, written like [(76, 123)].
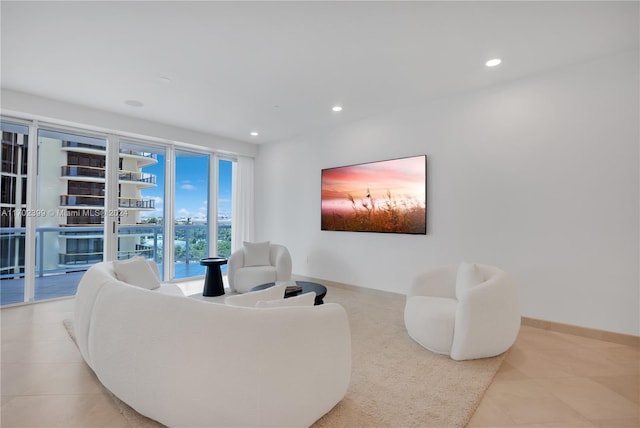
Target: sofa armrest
[(280, 258), (235, 262), (487, 319)]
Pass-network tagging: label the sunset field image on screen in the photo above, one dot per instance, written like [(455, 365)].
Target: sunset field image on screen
[(386, 196)]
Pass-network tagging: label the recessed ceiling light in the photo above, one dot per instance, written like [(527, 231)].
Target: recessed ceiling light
[(254, 134), (336, 108), (134, 103), (493, 62)]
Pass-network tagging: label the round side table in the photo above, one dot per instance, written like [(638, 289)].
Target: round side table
[(213, 285)]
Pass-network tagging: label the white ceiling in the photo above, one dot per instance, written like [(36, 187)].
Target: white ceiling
[(279, 67)]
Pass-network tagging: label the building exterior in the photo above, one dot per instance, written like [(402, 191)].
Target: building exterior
[(71, 201)]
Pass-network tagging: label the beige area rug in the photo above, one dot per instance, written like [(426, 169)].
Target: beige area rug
[(394, 382)]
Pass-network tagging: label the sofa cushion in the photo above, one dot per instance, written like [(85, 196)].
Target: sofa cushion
[(256, 253), (137, 271), (306, 299), (250, 299), (468, 276), (255, 275), (154, 267)]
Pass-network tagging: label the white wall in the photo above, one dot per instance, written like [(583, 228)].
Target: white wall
[(539, 177)]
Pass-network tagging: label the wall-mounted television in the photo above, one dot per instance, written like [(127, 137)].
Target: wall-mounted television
[(386, 196)]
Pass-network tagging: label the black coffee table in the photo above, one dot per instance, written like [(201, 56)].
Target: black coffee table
[(307, 287), (213, 285)]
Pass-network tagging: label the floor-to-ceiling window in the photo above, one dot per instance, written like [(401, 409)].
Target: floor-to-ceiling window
[(64, 221), (79, 181), (70, 189), (141, 195), (13, 205), (191, 213)]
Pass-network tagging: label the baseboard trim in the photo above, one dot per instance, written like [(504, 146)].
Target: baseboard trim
[(592, 333), (345, 286)]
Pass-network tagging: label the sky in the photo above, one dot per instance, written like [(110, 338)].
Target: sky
[(192, 178), (403, 178)]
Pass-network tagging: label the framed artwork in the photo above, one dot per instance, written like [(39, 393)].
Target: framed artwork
[(387, 196)]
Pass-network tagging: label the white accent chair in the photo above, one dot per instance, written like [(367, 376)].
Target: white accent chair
[(466, 311), (257, 263)]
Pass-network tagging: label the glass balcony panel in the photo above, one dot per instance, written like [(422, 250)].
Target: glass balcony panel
[(134, 152), (141, 177), (63, 255), (147, 204), (81, 200), (82, 171), (77, 142), (141, 240)]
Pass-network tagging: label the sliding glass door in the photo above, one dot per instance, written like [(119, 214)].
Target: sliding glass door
[(191, 213), (72, 198), (141, 195), (13, 206)]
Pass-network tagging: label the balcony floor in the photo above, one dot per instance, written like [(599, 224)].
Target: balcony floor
[(66, 284)]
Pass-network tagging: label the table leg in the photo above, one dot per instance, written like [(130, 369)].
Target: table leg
[(213, 285)]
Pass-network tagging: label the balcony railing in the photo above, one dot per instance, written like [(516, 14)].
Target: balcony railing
[(190, 245), (98, 201), (141, 177), (77, 145), (81, 200), (80, 258), (138, 153), (96, 172), (82, 171), (70, 259), (136, 203), (54, 279)]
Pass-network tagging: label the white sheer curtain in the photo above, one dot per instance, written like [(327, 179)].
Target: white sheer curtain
[(242, 221)]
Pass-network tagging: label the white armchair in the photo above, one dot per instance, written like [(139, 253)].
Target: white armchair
[(257, 263), (467, 311)]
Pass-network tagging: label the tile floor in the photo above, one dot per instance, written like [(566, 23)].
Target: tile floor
[(554, 379), (547, 380)]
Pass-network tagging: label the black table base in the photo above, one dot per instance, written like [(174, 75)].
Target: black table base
[(213, 285), (307, 286)]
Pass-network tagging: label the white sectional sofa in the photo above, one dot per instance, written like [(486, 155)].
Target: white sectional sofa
[(189, 363)]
